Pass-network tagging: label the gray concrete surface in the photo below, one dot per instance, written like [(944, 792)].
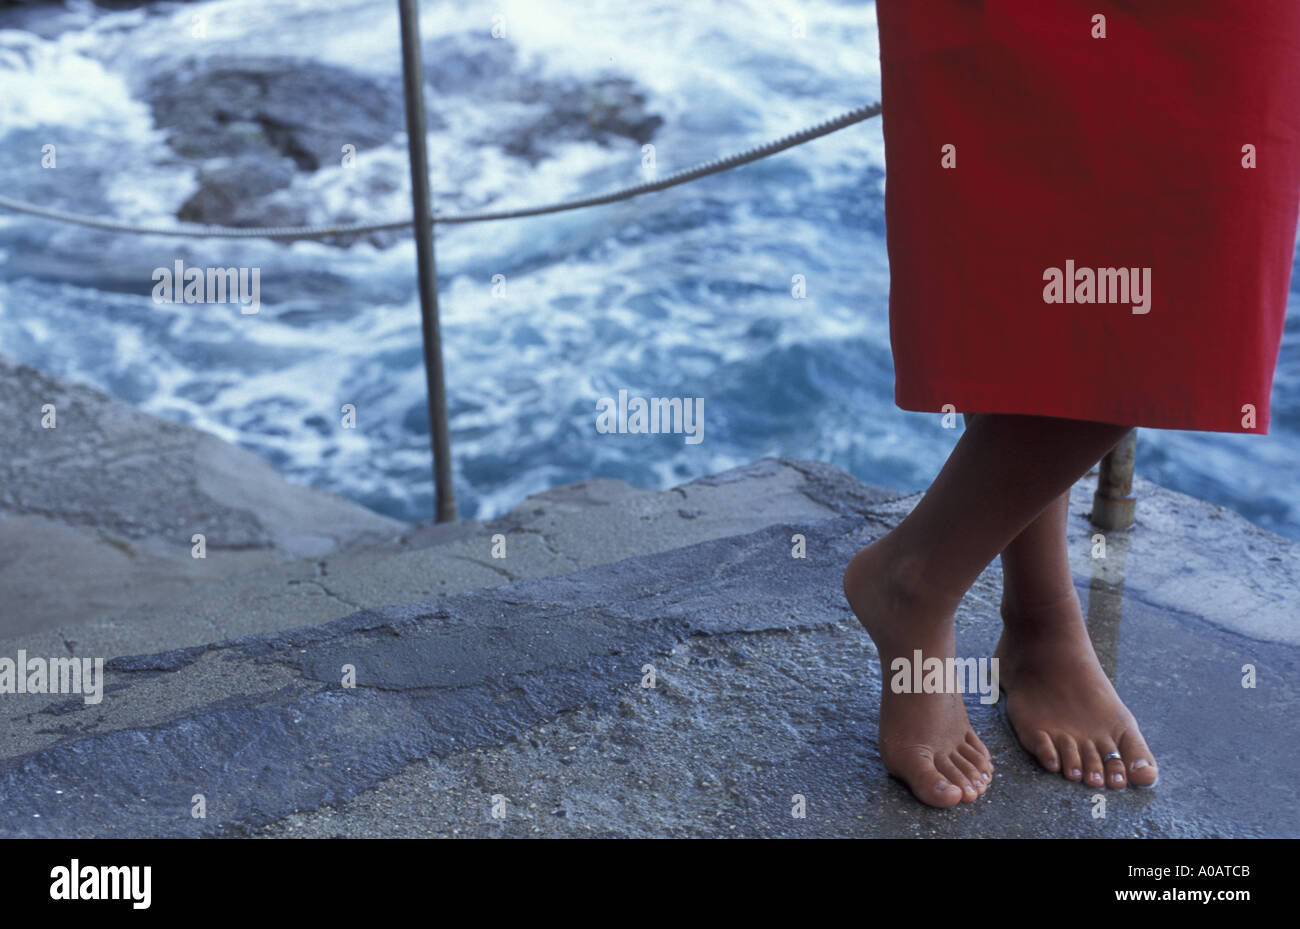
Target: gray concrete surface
[(578, 525), (98, 512), (530, 691)]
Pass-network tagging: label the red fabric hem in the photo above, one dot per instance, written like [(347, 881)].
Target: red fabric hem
[(1125, 411)]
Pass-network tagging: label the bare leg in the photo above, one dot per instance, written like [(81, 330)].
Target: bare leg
[(1064, 709), (905, 586)]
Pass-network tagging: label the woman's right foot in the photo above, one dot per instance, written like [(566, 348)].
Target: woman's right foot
[(926, 739)]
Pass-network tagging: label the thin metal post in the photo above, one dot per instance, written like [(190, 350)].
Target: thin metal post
[(1112, 504), (439, 432)]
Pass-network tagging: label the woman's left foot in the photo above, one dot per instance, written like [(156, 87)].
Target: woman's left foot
[(1063, 708)]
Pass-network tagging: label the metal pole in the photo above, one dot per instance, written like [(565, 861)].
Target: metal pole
[(1112, 504), (439, 433)]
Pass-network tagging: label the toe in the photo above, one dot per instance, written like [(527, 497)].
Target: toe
[(1071, 762), (979, 755), (955, 775), (1039, 744), (1092, 767), (926, 782), (972, 773), (1142, 769), (982, 762), (974, 742), (938, 791), (1112, 766)]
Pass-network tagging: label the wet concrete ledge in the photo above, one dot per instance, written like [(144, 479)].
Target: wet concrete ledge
[(528, 687), (100, 503)]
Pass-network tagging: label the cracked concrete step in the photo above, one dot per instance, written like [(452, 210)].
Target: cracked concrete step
[(99, 503), (579, 525)]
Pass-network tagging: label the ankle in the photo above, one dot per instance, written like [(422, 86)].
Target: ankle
[(1044, 619), (913, 586)]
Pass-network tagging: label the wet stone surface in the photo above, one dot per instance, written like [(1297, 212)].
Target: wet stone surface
[(527, 700)]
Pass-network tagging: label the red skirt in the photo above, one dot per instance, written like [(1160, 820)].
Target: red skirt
[(1091, 218)]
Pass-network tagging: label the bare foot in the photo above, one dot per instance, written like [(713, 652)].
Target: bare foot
[(1063, 708), (926, 740)]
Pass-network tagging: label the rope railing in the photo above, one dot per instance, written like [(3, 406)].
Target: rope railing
[(424, 220), (1113, 501), (704, 169)]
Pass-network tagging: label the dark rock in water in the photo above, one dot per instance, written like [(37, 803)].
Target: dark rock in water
[(564, 108), (253, 123), (266, 107), (608, 110), (266, 118), (230, 194)]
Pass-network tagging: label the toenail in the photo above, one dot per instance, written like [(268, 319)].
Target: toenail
[(1075, 772), (942, 786), (1117, 778), (1141, 763)]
